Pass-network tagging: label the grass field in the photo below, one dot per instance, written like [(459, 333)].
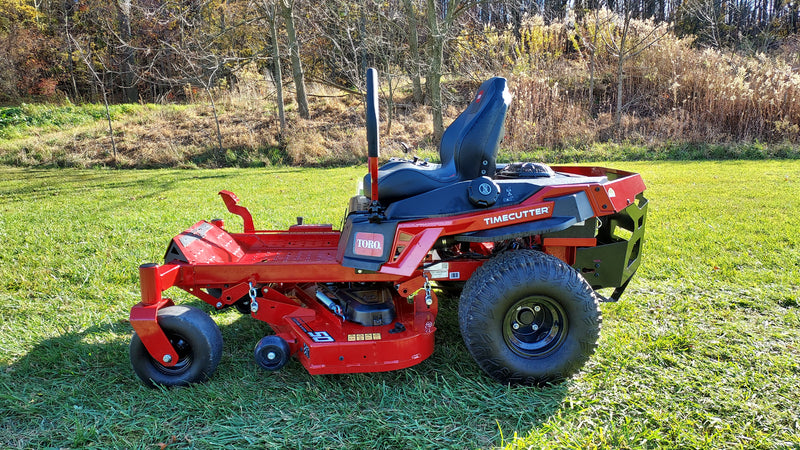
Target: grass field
[(702, 352)]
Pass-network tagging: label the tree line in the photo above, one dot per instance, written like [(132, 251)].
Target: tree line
[(166, 50)]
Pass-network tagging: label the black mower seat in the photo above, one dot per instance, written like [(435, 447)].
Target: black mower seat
[(468, 149)]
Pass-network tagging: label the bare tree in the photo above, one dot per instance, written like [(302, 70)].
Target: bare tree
[(414, 70), (276, 72), (126, 66), (287, 7), (441, 23), (709, 15), (270, 14), (342, 26), (193, 61), (201, 66), (443, 18), (389, 31), (590, 38), (197, 52), (87, 60), (628, 43)]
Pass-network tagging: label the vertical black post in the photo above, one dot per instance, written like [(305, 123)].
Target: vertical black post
[(373, 143)]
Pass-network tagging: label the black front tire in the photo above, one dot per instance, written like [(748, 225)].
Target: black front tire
[(529, 318), (195, 337)]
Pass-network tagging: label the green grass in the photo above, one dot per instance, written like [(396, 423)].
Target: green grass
[(702, 352), (21, 121)]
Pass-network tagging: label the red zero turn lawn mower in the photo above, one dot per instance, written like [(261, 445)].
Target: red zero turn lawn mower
[(526, 244)]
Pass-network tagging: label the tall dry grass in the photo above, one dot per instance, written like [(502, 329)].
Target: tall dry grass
[(672, 91)]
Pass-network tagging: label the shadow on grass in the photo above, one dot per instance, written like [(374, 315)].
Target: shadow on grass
[(70, 181), (77, 389), (445, 401), (43, 394), (47, 182)]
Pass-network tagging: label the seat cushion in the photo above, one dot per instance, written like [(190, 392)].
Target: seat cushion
[(402, 179)]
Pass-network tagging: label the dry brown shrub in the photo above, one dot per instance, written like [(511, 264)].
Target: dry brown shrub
[(718, 97), (672, 92), (544, 115), (305, 145)]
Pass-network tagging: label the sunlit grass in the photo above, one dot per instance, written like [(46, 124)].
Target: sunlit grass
[(702, 351), (21, 121)]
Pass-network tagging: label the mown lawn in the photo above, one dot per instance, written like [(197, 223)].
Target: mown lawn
[(702, 352)]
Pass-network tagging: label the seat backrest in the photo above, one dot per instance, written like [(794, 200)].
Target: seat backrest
[(471, 141)]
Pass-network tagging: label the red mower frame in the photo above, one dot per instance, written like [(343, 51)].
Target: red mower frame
[(286, 278)]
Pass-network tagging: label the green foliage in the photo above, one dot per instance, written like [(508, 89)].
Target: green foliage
[(14, 13), (700, 353)]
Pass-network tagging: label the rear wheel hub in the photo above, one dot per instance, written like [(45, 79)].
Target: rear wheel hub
[(534, 326)]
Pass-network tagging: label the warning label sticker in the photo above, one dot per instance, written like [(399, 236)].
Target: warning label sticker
[(439, 270), (364, 337)]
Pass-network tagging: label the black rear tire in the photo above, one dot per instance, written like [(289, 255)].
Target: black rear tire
[(529, 318), (195, 337)]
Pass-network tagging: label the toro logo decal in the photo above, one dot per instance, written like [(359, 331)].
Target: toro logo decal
[(368, 244)]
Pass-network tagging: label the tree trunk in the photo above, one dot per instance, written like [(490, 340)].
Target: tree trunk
[(413, 44), (216, 118), (434, 78), (294, 53), (433, 81), (623, 55), (128, 84), (110, 128), (68, 10), (71, 69), (439, 29), (389, 101), (362, 37), (592, 62), (276, 71)]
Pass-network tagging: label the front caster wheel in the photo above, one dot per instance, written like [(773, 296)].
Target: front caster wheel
[(529, 318), (272, 352), (196, 339)]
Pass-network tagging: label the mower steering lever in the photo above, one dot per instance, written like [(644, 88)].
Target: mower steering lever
[(231, 202)]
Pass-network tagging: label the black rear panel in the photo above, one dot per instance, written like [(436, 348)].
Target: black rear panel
[(619, 245)]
